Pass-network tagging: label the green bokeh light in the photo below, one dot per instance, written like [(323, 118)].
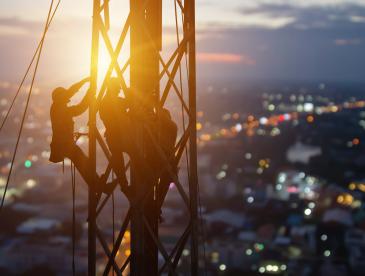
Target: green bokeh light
[(27, 164), (259, 246)]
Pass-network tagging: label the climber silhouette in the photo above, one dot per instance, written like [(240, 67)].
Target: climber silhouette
[(167, 138), (114, 114), (63, 143)]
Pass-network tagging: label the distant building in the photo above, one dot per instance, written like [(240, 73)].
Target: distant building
[(301, 153), (294, 185), (22, 254)]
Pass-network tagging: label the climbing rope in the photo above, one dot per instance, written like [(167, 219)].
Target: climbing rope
[(27, 103), (113, 215), (28, 69), (73, 187)]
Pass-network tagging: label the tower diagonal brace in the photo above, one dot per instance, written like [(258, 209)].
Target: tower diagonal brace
[(146, 72)]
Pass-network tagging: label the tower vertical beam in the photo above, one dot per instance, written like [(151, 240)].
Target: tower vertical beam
[(193, 181), (92, 141), (136, 86), (145, 26), (144, 77)]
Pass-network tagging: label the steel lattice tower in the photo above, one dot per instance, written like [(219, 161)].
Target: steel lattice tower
[(151, 80)]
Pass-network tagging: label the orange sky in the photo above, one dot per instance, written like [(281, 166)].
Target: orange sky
[(252, 38)]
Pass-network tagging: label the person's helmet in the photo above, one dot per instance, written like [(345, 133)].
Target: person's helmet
[(166, 113), (114, 85), (59, 94)]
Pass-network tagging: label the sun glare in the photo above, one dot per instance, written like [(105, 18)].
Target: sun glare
[(104, 63)]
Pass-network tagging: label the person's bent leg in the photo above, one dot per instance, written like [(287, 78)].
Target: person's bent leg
[(82, 164), (117, 163)]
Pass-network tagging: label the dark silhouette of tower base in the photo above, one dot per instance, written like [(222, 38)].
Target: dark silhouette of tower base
[(151, 81)]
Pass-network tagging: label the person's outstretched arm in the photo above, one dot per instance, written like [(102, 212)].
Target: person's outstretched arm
[(81, 107), (73, 89), (76, 87)]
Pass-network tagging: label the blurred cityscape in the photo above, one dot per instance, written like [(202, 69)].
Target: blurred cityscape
[(282, 186)]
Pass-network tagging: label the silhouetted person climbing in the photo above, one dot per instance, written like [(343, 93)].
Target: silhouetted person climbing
[(63, 142), (167, 138), (114, 114), (119, 134)]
